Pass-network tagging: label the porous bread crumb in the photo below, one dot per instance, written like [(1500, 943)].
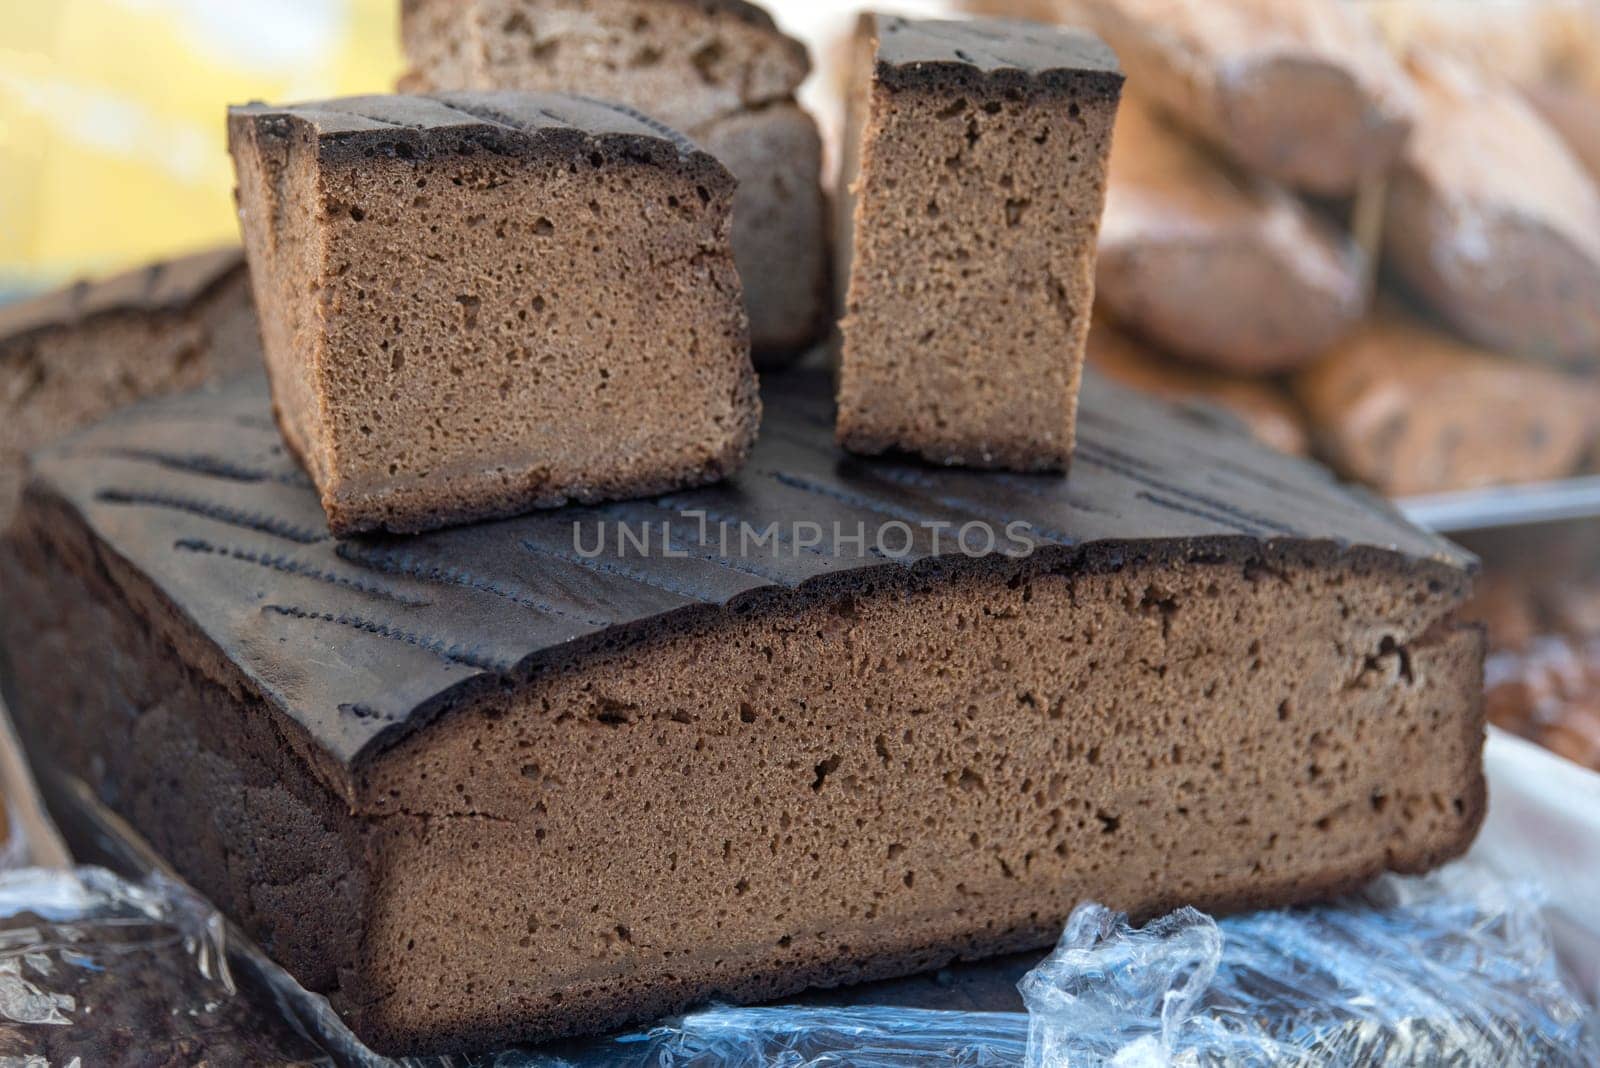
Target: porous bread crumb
[(978, 186), (513, 302)]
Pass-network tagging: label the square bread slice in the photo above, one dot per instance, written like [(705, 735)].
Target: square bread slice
[(474, 304), (525, 779), (976, 156)]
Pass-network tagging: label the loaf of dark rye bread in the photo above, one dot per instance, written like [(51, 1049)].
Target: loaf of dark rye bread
[(501, 783), (69, 357)]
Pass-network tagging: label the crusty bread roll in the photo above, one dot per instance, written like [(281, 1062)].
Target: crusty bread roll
[(1494, 222), (1261, 405), (1302, 91), (1220, 268), (1409, 410)]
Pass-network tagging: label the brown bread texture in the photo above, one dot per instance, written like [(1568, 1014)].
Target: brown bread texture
[(1493, 222), (721, 72), (1262, 405), (475, 304), (1409, 410), (1223, 269), (479, 788), (1300, 91), (977, 171), (69, 357)]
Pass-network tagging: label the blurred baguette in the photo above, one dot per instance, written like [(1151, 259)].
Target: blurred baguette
[(1301, 91), (1574, 114), (1409, 410), (1221, 268), (1526, 42), (1261, 405), (1493, 221)]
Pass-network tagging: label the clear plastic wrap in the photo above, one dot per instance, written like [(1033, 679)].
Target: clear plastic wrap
[(1456, 969), (95, 970)]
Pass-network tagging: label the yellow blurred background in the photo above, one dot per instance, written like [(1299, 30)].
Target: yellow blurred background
[(111, 117)]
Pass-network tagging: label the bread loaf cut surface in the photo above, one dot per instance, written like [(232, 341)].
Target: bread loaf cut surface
[(978, 177), (479, 787), (479, 303)]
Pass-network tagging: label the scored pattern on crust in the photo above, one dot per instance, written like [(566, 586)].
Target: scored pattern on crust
[(448, 117), (397, 627)]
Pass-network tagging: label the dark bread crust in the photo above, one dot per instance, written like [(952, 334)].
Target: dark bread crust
[(912, 52), (163, 287), (239, 803), (411, 751), (354, 130), (213, 468)]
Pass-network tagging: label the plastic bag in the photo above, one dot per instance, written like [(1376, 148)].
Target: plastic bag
[(95, 970), (1455, 969)]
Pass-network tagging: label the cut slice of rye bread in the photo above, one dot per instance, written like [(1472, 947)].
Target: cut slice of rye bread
[(479, 303), (722, 72), (71, 356), (481, 787), (977, 168)]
